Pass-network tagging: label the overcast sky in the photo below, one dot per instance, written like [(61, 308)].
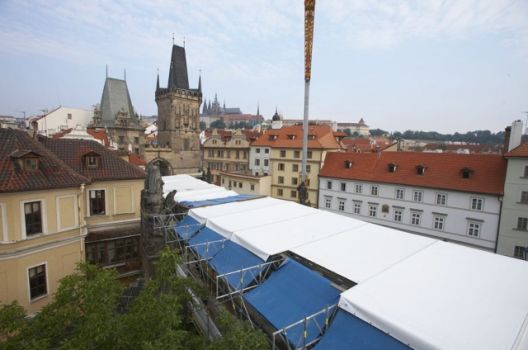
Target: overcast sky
[(452, 65)]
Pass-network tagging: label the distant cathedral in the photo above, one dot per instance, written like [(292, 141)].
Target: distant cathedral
[(178, 121), (214, 108)]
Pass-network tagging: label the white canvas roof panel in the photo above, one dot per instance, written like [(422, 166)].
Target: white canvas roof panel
[(192, 189), (363, 251), (447, 297), (226, 225), (278, 237), (203, 214)]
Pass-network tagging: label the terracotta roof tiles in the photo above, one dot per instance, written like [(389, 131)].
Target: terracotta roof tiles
[(442, 170), (291, 137), (519, 151)]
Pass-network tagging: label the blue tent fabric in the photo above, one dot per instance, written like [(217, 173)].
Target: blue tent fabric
[(350, 332), (216, 201), (187, 227), (207, 250), (290, 294), (234, 257), (226, 257)]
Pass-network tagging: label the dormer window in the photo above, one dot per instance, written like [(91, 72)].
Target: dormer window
[(392, 167), (348, 164), (466, 173), (92, 160), (291, 137), (311, 137), (272, 137), (420, 169), (26, 160)]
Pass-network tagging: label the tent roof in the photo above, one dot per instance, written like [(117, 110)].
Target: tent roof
[(363, 251), (447, 296)]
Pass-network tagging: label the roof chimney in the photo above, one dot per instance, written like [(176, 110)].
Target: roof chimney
[(515, 135)]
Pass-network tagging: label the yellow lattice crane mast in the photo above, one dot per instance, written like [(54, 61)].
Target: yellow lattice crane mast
[(309, 12)]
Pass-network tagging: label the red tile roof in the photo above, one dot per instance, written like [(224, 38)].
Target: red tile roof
[(112, 167), (519, 151), (99, 134), (291, 137), (443, 170), (52, 172), (135, 159), (226, 135), (363, 144)]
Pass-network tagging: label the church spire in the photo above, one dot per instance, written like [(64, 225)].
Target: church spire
[(157, 82), (204, 110), (258, 109), (200, 83)]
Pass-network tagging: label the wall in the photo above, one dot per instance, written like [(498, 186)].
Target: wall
[(242, 184), (60, 245), (57, 120), (512, 209), (262, 154), (456, 211)]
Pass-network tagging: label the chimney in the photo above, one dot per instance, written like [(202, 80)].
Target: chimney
[(507, 133), (34, 126), (515, 135)]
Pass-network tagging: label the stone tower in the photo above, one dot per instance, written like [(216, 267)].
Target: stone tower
[(178, 117)]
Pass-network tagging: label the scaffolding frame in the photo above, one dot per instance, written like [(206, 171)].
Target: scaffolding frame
[(302, 343)]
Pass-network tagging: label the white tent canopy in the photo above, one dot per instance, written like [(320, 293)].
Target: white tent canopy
[(447, 297), (204, 214), (191, 189), (363, 251)]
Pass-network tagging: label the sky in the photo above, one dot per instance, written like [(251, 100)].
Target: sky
[(451, 65)]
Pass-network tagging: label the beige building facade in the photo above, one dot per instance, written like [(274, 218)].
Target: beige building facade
[(246, 183)]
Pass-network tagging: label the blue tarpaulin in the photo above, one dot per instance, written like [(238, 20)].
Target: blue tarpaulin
[(216, 201), (187, 227), (290, 294), (350, 332), (226, 256)]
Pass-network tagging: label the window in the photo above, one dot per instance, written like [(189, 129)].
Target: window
[(374, 190), (37, 281), (415, 218), (329, 185), (279, 192), (308, 168), (418, 196), (357, 208), (281, 166), (295, 167), (297, 154), (520, 252), (293, 194), (524, 197), (476, 203), (420, 170), (283, 153), (112, 251), (341, 205), (257, 150), (266, 150), (97, 202), (240, 185), (257, 162), (526, 171), (522, 224), (309, 155), (473, 229), (121, 140), (398, 213), (343, 186), (136, 140), (69, 116), (328, 202), (385, 208), (252, 187), (92, 161), (30, 163), (294, 181), (266, 162), (441, 198), (33, 217), (373, 209), (281, 179), (392, 167), (439, 223), (359, 188), (399, 193)]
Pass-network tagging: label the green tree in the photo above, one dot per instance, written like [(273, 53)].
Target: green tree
[(217, 124), (238, 335)]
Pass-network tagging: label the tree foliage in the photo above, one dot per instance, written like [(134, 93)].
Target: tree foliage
[(84, 315)]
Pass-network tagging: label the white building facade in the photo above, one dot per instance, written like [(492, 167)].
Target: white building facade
[(463, 217), (456, 198), (259, 160), (63, 118)]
